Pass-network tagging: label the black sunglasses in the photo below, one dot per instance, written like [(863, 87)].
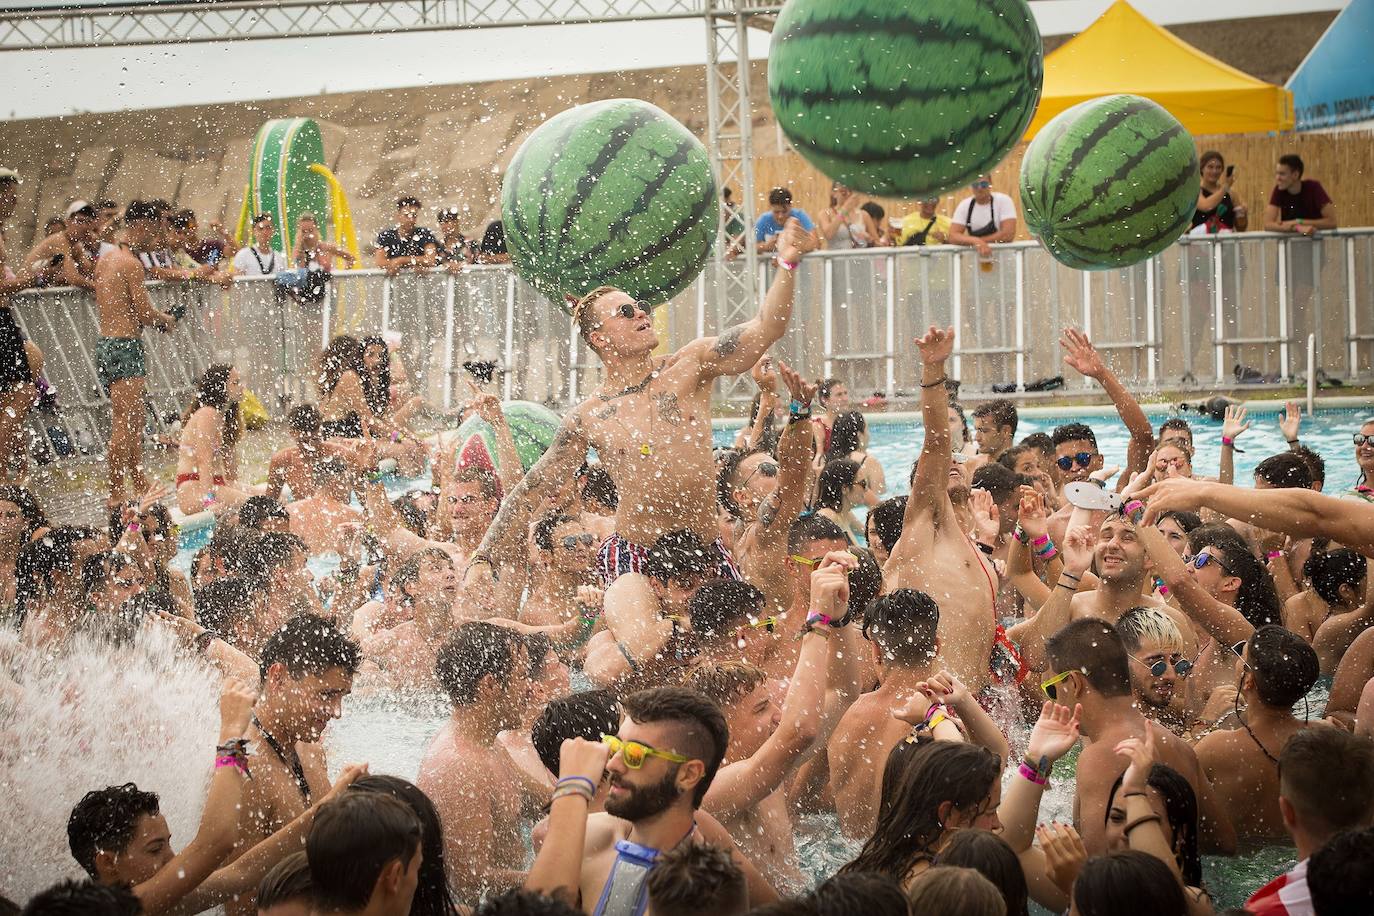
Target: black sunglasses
[(586, 539), (1362, 439), (1083, 458), (628, 310), (1200, 561)]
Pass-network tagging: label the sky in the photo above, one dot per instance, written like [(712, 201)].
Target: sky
[(113, 79)]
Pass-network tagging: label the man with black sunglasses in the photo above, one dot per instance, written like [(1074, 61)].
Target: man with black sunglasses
[(562, 591), (650, 422), (1364, 457)]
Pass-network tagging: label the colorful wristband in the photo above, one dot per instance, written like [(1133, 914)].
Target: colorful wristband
[(1133, 510), (1030, 773), (1049, 554), (1019, 533), (1041, 541), (1274, 555), (785, 264)]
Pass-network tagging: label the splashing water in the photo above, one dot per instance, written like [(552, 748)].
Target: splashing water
[(92, 717)]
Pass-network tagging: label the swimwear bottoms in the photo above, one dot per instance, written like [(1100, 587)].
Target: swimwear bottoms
[(119, 358), (1008, 668), (618, 556), (183, 478)]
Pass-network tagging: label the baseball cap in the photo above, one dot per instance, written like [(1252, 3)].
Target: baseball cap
[(10, 174), (80, 208)]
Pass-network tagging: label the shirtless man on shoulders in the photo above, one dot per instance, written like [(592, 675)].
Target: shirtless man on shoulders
[(307, 669), (405, 654), (484, 669), (125, 310), (650, 422)]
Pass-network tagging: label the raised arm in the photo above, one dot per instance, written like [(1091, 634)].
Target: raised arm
[(930, 487), (557, 870), (1224, 623), (1056, 612), (1080, 354), (1297, 512), (739, 348), (488, 407), (1231, 427), (794, 460)]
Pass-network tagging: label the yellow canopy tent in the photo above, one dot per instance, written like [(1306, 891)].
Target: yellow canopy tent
[(1125, 52)]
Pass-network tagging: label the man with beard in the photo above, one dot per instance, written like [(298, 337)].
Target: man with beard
[(484, 669), (1154, 646), (934, 554), (405, 655)]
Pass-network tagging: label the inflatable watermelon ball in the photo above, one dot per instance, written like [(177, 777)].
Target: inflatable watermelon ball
[(532, 426), (904, 98), (614, 193), (1110, 182)]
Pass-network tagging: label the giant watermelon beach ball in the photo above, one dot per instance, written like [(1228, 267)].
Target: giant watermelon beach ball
[(1110, 182), (532, 426), (613, 193), (904, 97)]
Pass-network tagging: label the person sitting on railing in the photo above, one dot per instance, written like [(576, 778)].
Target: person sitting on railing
[(925, 226), (983, 219), (1215, 209), (260, 259), (1297, 204), (67, 251), (406, 245)]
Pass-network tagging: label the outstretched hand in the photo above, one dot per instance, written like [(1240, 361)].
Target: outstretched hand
[(1054, 733), (1235, 423), (802, 390), (1080, 354), (936, 345), (1290, 421), (1140, 752), (1173, 493), (987, 519), (795, 241), (1031, 512), (1078, 549)]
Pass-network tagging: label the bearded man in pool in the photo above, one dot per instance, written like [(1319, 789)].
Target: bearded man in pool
[(650, 422)]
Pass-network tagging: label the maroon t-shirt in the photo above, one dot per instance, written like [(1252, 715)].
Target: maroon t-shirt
[(1306, 204)]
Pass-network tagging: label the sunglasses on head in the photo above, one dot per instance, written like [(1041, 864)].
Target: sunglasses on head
[(1066, 462), (586, 539), (1362, 439), (1200, 561), (1157, 667), (634, 753), (766, 468), (1050, 687)]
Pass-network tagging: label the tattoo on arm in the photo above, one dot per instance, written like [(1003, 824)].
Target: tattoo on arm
[(728, 343), (668, 407), (605, 414)]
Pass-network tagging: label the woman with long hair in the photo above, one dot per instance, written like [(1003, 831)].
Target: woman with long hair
[(849, 439), (207, 459), (20, 519), (1127, 883), (945, 786), (1338, 578), (344, 411), (839, 488), (390, 415), (1215, 208), (990, 856)]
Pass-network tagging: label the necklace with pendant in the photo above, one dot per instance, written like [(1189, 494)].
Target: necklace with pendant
[(645, 449)]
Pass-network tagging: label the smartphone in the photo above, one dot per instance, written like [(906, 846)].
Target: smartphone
[(1230, 170)]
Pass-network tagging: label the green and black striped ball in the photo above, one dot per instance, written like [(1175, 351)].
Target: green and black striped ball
[(904, 97), (614, 193), (1110, 182)]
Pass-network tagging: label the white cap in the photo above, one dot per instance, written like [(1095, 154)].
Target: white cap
[(9, 173), (78, 205)]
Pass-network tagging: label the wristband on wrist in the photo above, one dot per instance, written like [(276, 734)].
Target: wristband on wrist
[(1041, 541), (566, 780), (1042, 767), (1019, 533), (1068, 575), (937, 383), (1027, 772), (1049, 554), (986, 548), (785, 264), (1274, 555), (133, 526), (1291, 441), (1133, 510)]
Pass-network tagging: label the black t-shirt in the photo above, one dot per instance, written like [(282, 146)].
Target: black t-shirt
[(399, 246), (494, 239), (1223, 216), (458, 251)]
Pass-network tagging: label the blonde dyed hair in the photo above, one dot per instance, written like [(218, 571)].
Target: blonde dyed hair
[(1142, 623), (582, 311), (724, 682)]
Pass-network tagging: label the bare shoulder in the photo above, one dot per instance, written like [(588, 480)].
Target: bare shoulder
[(603, 830)]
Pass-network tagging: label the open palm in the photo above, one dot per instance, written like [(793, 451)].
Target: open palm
[(1054, 733)]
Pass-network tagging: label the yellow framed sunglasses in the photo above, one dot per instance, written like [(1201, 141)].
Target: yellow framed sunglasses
[(1049, 686), (634, 753)]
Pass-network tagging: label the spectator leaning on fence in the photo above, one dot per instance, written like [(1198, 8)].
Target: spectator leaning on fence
[(453, 246), (406, 245), (984, 219), (925, 226), (768, 229), (260, 259), (67, 250), (1297, 204)]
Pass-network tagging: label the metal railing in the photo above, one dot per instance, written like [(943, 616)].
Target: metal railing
[(1183, 319)]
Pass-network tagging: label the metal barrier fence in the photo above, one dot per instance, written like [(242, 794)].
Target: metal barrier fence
[(1186, 318)]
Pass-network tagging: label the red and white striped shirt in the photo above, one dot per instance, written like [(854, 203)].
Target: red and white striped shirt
[(1286, 895)]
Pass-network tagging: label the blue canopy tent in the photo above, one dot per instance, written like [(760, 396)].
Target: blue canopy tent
[(1334, 85)]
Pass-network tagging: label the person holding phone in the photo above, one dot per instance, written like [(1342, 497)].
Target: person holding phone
[(1215, 209)]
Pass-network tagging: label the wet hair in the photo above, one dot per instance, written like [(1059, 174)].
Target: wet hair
[(1329, 570), (543, 529), (1073, 432), (1009, 458), (38, 561), (212, 390), (1176, 423), (1285, 471), (100, 568), (846, 435), (1001, 411), (865, 582), (331, 467), (140, 210), (408, 572), (903, 625), (954, 891), (908, 826), (1041, 442), (1256, 599), (344, 354), (725, 478), (587, 714), (1185, 519), (518, 902), (1094, 648), (994, 477), (104, 820), (725, 682), (489, 483), (259, 554), (84, 898), (412, 516), (432, 894), (1316, 467), (963, 423), (1340, 875), (1283, 665), (475, 650), (859, 892), (309, 644), (1181, 812), (887, 518), (1147, 622), (257, 510), (834, 481), (287, 882), (222, 604), (598, 487), (779, 197), (377, 385), (1293, 161), (677, 554), (304, 418), (697, 878), (989, 855), (352, 840), (720, 605), (1327, 775), (34, 516), (702, 733), (1128, 883), (808, 529), (824, 387)]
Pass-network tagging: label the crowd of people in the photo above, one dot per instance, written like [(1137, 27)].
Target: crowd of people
[(745, 651)]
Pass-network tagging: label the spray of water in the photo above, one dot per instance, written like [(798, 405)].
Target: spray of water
[(91, 717)]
